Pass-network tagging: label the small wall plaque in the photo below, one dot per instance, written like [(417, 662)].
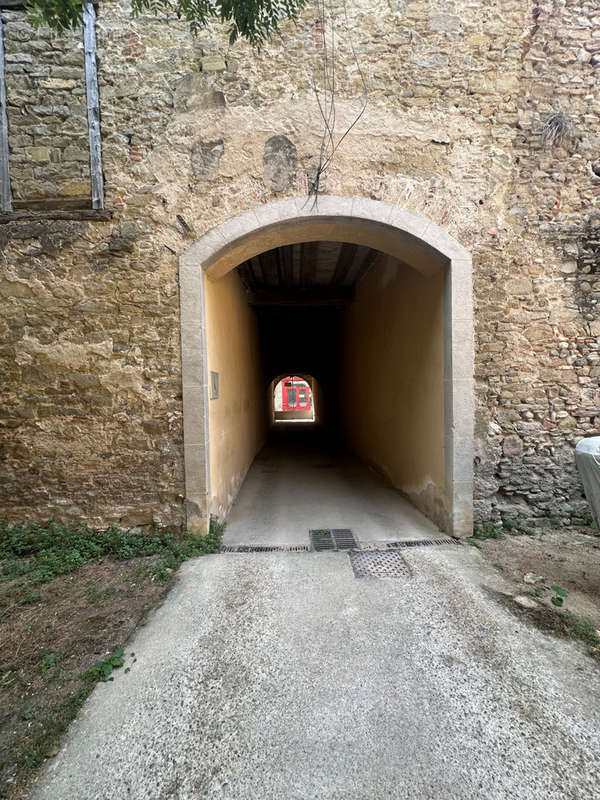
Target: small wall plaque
[(214, 385)]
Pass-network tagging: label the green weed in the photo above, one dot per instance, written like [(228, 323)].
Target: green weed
[(48, 659), (559, 597), (488, 530), (38, 553), (588, 519), (512, 526), (582, 628), (96, 596), (102, 670)]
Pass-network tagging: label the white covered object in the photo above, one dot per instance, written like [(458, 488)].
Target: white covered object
[(587, 458)]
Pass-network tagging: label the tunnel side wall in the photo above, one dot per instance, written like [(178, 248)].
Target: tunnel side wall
[(391, 387), (237, 418)]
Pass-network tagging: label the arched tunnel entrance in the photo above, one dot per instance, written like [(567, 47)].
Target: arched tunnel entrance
[(373, 306)]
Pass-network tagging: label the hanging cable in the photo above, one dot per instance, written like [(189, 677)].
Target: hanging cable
[(326, 98)]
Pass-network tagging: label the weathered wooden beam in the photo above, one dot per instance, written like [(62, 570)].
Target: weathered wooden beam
[(345, 260), (76, 215), (309, 254), (256, 268), (307, 296), (53, 204), (268, 265), (247, 276), (5, 191), (287, 265), (370, 258), (93, 105), (278, 264)]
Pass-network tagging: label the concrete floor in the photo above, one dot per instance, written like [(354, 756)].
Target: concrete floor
[(280, 676), (302, 480)]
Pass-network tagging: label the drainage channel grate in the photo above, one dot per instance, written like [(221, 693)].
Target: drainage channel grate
[(378, 564), (419, 543), (332, 539), (264, 548)]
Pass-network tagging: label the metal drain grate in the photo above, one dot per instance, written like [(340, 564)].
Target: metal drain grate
[(264, 548), (332, 539), (420, 543), (378, 564)]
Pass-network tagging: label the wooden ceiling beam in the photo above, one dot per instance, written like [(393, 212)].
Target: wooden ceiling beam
[(247, 276), (268, 265), (307, 296), (256, 270), (344, 261), (309, 254), (287, 266), (369, 259)]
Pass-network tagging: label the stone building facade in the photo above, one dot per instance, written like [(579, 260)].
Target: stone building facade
[(482, 117)]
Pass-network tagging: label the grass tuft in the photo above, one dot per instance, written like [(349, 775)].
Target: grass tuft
[(39, 552), (582, 628)]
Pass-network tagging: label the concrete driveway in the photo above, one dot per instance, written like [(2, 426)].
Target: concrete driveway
[(281, 675), (302, 479)]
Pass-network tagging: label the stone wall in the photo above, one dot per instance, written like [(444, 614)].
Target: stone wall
[(538, 323), (459, 93), (47, 118)]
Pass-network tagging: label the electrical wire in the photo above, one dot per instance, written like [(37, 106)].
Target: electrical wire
[(327, 102)]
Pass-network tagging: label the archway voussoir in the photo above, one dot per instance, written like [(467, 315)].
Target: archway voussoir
[(371, 210), (444, 243), (241, 225), (284, 210), (327, 206), (407, 221), (204, 249)]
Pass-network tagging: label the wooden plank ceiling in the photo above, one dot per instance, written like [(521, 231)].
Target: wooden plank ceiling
[(307, 274)]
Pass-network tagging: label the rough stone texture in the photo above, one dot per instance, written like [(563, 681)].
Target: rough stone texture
[(279, 158), (206, 157), (46, 107), (453, 131)]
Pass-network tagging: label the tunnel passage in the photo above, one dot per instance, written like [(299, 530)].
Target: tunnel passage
[(292, 399), (370, 311)]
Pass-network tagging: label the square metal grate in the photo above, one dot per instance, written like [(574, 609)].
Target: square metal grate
[(332, 539), (378, 564)]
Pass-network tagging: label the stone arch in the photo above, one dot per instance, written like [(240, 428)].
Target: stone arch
[(310, 379), (409, 237)]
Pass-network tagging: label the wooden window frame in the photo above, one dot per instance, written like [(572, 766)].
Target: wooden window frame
[(92, 104)]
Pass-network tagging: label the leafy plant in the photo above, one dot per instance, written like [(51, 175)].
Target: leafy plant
[(512, 526), (31, 598), (588, 519), (254, 20), (488, 530), (39, 552), (582, 628), (559, 597), (102, 670), (48, 659)]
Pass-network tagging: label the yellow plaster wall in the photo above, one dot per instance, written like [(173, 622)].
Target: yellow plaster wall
[(238, 418), (392, 373)]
